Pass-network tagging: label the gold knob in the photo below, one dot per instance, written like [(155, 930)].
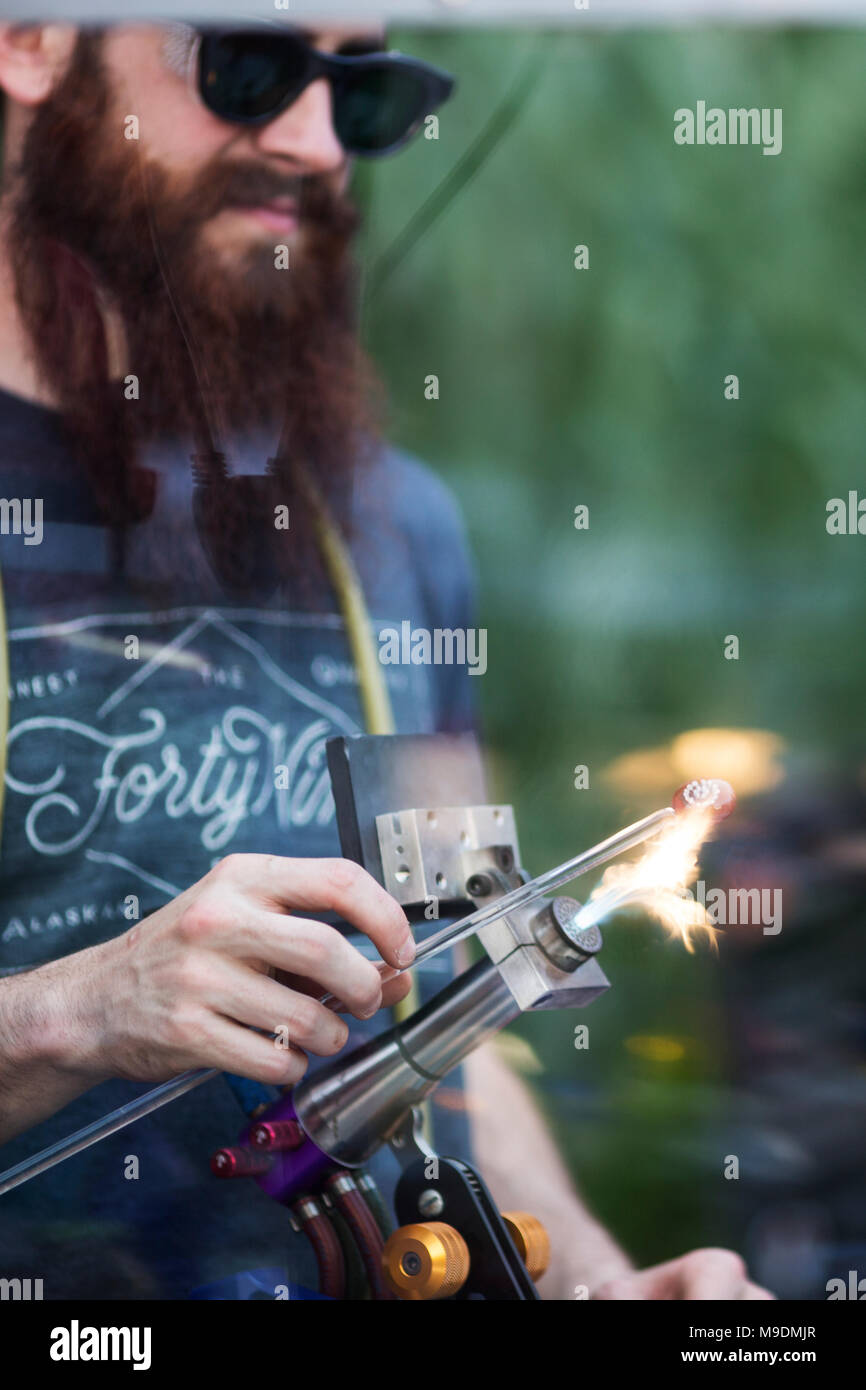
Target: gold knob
[(531, 1239), (427, 1260)]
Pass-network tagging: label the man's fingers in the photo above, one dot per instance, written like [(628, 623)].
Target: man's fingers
[(700, 1275), (249, 997), (753, 1292), (395, 989), (298, 946), (709, 1274), (316, 885), (227, 1046), (659, 1282), (619, 1290)]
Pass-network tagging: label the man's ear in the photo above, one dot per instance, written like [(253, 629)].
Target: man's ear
[(33, 57)]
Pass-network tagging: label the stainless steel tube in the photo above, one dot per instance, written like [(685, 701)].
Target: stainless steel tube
[(350, 1108)]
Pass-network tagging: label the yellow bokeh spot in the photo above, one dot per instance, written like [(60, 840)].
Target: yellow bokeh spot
[(747, 758), (652, 1048)]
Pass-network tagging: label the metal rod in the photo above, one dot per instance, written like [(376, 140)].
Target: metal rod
[(100, 1129)]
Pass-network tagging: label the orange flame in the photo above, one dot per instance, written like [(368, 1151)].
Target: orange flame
[(658, 881)]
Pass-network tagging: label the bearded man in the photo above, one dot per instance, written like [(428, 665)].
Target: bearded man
[(184, 394)]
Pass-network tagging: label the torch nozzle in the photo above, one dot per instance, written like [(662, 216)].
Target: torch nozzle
[(706, 793)]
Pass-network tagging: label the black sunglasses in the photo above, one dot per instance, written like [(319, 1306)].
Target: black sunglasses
[(379, 99)]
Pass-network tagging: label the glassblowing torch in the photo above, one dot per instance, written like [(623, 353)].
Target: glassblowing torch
[(538, 955), (307, 1150)]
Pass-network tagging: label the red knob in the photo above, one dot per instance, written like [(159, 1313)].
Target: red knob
[(277, 1134), (239, 1163)]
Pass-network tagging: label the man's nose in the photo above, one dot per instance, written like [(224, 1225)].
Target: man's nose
[(305, 133)]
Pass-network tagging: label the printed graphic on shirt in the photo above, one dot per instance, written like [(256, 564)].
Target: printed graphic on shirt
[(133, 766)]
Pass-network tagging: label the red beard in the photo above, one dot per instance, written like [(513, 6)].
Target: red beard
[(216, 352)]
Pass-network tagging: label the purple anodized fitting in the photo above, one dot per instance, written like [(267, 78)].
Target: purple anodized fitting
[(293, 1171)]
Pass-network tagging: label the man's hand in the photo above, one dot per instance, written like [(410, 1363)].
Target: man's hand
[(702, 1274), (174, 992)]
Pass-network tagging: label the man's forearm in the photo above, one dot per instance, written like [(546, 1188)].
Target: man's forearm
[(37, 1077), (520, 1164)]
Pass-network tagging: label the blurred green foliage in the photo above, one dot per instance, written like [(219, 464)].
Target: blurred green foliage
[(707, 516)]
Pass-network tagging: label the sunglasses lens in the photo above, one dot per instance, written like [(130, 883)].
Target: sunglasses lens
[(250, 76), (377, 107), (247, 77)]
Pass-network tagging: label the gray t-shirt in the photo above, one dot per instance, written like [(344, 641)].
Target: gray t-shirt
[(128, 777)]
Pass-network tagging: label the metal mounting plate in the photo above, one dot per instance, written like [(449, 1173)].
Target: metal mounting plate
[(423, 849)]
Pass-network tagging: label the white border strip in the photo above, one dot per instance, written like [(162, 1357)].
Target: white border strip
[(527, 13)]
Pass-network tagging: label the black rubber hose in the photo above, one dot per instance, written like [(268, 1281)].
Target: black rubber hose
[(376, 1202), (357, 1288)]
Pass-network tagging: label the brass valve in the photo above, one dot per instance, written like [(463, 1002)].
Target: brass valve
[(531, 1240), (425, 1261)]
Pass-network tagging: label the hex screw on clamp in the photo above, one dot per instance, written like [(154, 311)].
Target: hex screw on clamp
[(431, 1203), (479, 886)]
